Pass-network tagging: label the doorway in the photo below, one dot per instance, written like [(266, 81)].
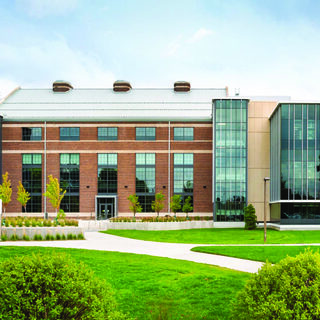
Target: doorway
[(105, 207)]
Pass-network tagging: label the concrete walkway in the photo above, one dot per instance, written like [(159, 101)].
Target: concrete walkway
[(106, 242)]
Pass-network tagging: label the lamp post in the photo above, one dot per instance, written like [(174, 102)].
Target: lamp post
[(264, 208)]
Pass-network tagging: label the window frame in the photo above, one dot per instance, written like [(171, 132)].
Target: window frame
[(107, 137), (69, 137), (183, 137), (145, 137), (31, 137)]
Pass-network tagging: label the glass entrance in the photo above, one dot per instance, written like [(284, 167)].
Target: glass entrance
[(105, 208)]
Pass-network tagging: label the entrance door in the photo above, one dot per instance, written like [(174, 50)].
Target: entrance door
[(105, 208)]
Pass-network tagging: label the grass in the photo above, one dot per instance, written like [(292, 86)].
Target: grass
[(258, 253), (221, 236), (149, 287)]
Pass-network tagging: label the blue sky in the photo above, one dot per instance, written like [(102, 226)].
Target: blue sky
[(270, 48)]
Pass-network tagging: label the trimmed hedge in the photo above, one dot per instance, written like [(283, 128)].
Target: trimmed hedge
[(287, 290), (53, 287)]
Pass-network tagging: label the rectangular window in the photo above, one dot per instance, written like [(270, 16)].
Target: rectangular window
[(145, 179), (32, 180), (107, 173), (70, 181), (107, 133), (70, 134), (146, 133), (183, 134), (183, 175), (31, 134)]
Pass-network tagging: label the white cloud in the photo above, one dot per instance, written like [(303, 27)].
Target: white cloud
[(42, 8), (173, 48), (39, 65), (200, 34)]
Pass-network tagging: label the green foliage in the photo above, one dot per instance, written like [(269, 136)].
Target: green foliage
[(13, 237), (63, 237), (250, 217), (80, 236), (37, 237), (4, 237), (54, 193), (134, 204), (158, 204), (187, 207), (175, 203), (61, 214), (5, 191), (53, 286), (287, 290), (25, 238), (69, 236), (23, 196), (58, 236)]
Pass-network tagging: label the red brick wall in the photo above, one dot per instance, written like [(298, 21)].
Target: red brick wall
[(126, 160)]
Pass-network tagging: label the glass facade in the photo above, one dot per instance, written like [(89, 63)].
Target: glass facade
[(230, 153), (146, 133), (183, 175), (183, 134), (296, 127), (107, 133), (72, 134), (31, 134), (145, 179), (32, 180), (70, 181), (107, 173)]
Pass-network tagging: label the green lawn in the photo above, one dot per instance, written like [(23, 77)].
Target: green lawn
[(149, 287), (221, 236), (260, 253)]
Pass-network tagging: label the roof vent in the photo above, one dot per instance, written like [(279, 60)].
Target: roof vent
[(121, 86), (182, 86), (61, 86)]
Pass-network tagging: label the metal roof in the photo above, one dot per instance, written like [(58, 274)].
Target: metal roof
[(107, 105)]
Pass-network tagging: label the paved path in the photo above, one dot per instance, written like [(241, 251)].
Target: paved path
[(106, 242)]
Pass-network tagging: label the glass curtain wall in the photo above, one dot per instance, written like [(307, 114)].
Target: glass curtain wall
[(230, 146), (107, 173), (183, 175), (69, 180), (146, 179), (300, 160), (32, 180)]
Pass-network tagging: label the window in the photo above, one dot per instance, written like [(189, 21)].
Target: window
[(107, 133), (145, 133), (107, 173), (145, 179), (31, 134), (69, 134), (32, 180), (183, 134), (183, 175), (69, 181)]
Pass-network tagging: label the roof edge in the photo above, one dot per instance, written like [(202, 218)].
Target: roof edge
[(9, 94)]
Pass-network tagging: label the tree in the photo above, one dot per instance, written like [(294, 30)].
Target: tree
[(250, 217), (5, 191), (157, 204), (175, 203), (187, 207), (134, 204), (23, 196), (54, 192)]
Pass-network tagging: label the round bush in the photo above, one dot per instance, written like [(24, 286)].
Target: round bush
[(288, 290), (53, 287)]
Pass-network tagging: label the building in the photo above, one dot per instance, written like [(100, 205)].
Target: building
[(105, 144)]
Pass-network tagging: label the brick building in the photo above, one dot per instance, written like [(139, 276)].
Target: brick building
[(105, 144)]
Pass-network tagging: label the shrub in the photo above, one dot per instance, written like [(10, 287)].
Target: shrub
[(63, 237), (37, 237), (53, 287), (6, 223), (58, 236), (14, 237), (13, 223), (287, 290), (4, 237), (33, 223), (47, 237), (80, 236), (25, 237), (27, 223), (250, 217)]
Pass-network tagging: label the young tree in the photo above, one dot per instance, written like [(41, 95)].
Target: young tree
[(23, 196), (187, 207), (250, 217), (157, 204), (54, 193), (134, 204), (5, 191), (175, 203)]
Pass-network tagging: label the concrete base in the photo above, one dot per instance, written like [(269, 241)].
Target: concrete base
[(43, 231), (228, 225), (291, 227)]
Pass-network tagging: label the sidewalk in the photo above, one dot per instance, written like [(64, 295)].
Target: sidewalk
[(106, 242)]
